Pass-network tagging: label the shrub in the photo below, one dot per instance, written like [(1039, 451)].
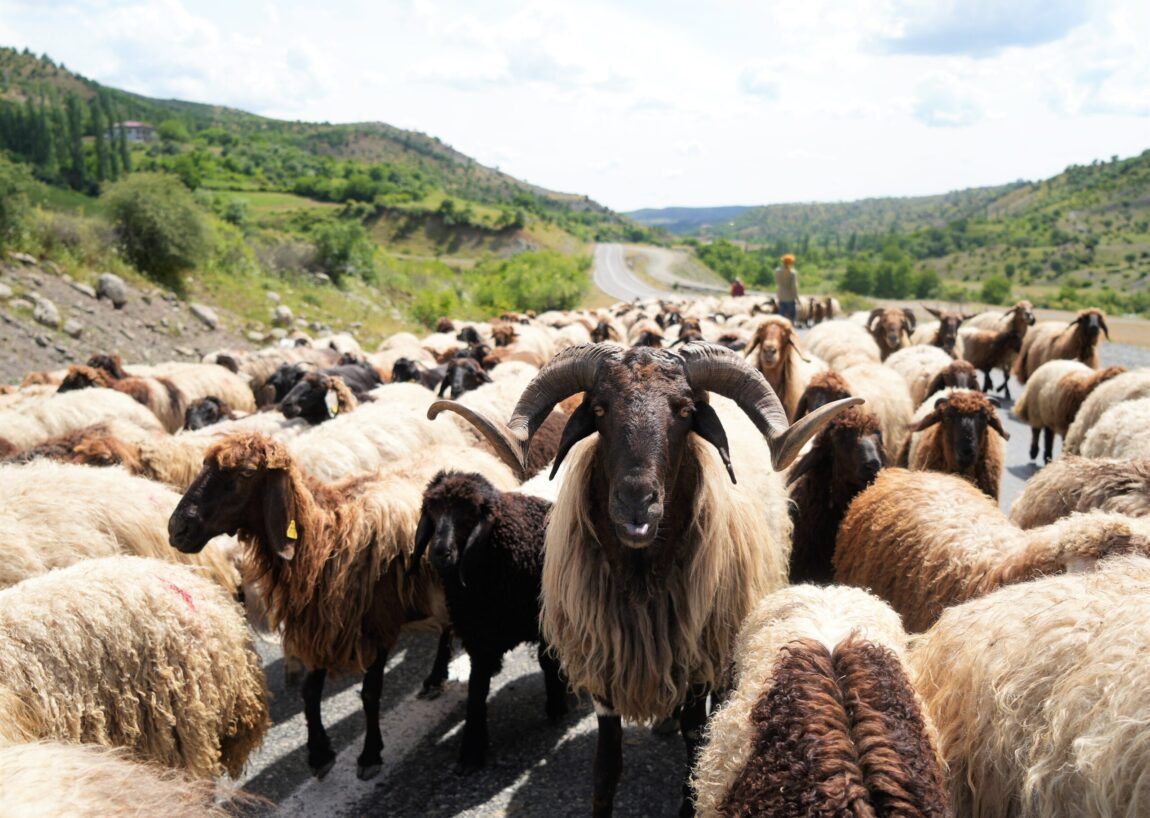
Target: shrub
[(859, 277), (538, 281), (996, 290), (342, 248), (159, 226), (431, 305)]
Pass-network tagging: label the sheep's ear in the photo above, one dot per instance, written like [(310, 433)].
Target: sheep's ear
[(909, 313), (802, 467), (994, 423), (1105, 329), (931, 419), (445, 382), (580, 425), (283, 530), (706, 424), (476, 541), (423, 534), (793, 340), (933, 311), (755, 341), (483, 376)]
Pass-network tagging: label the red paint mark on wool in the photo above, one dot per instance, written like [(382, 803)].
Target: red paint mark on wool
[(183, 594)]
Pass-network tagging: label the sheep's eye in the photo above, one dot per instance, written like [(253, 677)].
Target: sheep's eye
[(247, 474), (599, 411)]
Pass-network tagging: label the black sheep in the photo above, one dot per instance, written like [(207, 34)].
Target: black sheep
[(463, 375), (318, 397), (405, 370), (844, 459), (487, 547), (205, 412)]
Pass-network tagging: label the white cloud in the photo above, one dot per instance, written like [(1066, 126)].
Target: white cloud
[(943, 101), (981, 27)]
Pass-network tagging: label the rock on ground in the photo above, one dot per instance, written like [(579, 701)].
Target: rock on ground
[(112, 287)]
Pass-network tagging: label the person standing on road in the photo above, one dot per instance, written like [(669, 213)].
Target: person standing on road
[(787, 286), (737, 288)]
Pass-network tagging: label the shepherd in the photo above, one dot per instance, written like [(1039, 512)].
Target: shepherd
[(787, 284)]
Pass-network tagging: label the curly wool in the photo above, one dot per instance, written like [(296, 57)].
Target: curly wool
[(887, 396), (1121, 432), (86, 781), (918, 365), (1082, 484), (106, 512), (1131, 385), (930, 449), (821, 719), (136, 653), (44, 417), (642, 653), (926, 541), (1039, 698), (842, 344)]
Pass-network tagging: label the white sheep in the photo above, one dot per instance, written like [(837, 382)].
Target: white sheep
[(1130, 385)]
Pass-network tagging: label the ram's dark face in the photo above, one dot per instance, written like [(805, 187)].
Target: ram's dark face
[(463, 375), (217, 502), (404, 371), (456, 520), (967, 434), (643, 409), (204, 412), (308, 399), (865, 455), (284, 378)]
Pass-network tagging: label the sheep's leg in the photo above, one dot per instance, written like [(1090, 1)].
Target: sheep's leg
[(473, 753), (608, 759), (320, 756), (433, 684), (1047, 444), (693, 720), (987, 383), (1034, 431), (553, 683), (370, 761), (1005, 388)]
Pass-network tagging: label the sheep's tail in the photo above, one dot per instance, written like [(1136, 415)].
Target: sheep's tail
[(838, 734)]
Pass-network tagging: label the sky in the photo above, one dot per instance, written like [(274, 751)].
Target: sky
[(654, 103)]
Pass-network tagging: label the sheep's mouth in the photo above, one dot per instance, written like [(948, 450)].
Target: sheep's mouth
[(636, 535)]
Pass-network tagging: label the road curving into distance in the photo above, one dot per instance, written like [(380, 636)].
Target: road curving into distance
[(614, 277)]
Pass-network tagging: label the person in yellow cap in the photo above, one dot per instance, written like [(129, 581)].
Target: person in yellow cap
[(787, 286)]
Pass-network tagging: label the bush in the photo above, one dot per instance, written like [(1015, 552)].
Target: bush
[(342, 248), (996, 290), (159, 226), (15, 181), (534, 281), (431, 305), (859, 277)]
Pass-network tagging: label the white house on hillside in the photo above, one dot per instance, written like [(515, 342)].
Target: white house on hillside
[(135, 131)]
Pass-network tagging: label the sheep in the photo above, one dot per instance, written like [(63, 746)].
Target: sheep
[(197, 381), (1121, 432), (1048, 340), (1038, 695), (843, 459), (918, 365), (41, 419), (1127, 386), (822, 718), (651, 559), (1021, 316), (406, 370), (360, 378), (462, 375), (160, 395), (645, 333), (780, 358), (318, 397), (887, 396), (107, 512), (924, 542), (824, 387), (1072, 484), (842, 344), (204, 412), (891, 328), (441, 345), (535, 344), (329, 561), (1053, 396), (136, 653), (487, 547), (401, 345), (942, 333), (951, 436), (988, 350), (86, 781)]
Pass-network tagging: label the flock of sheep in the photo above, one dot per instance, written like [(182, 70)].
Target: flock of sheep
[(790, 547)]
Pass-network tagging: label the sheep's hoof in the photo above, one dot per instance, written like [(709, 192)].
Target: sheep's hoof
[(429, 692), (322, 769), (667, 727), (365, 772)]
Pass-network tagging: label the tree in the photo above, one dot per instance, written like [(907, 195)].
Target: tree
[(172, 130), (342, 248), (15, 181), (996, 290), (161, 229), (77, 171), (859, 277)]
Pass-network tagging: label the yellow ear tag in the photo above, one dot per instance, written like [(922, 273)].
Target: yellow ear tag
[(332, 401), (292, 534)]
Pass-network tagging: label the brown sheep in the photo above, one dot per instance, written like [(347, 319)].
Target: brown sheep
[(160, 394), (1072, 484), (329, 562), (1048, 340), (945, 334), (843, 459), (955, 375), (891, 328), (781, 361), (952, 437), (924, 542), (988, 349), (823, 387), (1053, 396)]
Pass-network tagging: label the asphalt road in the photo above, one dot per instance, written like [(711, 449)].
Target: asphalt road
[(614, 277), (535, 768)]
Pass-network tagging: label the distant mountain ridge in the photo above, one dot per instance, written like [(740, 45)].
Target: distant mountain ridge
[(790, 222)]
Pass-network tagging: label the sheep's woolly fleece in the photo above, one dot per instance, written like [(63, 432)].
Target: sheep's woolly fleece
[(1083, 484), (1039, 698), (136, 653), (86, 781), (1131, 385), (822, 718), (55, 514)]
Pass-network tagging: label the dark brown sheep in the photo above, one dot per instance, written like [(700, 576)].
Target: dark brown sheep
[(953, 437), (891, 328), (843, 460), (206, 412), (1076, 341)]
